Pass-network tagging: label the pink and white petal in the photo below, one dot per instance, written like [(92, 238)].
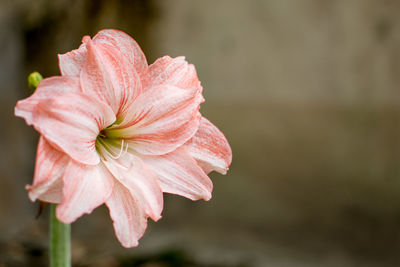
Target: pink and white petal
[(85, 188), (132, 173), (55, 192), (178, 173), (72, 122), (171, 71), (71, 62), (210, 148), (160, 120), (110, 77), (128, 215), (49, 169), (126, 45), (48, 88)]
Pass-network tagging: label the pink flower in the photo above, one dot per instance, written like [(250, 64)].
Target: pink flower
[(115, 130)]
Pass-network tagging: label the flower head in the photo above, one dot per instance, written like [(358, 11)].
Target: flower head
[(115, 130)]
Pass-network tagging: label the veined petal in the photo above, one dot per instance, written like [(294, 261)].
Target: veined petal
[(48, 88), (132, 173), (160, 120), (110, 77), (178, 173), (210, 148), (71, 63), (55, 192), (128, 215), (85, 188), (126, 45), (72, 122), (49, 169), (171, 71)]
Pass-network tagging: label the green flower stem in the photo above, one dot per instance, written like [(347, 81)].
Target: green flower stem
[(60, 239)]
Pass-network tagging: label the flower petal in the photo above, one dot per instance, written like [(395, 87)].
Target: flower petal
[(47, 88), (178, 173), (210, 148), (160, 120), (71, 63), (110, 76), (54, 193), (128, 215), (171, 71), (49, 168), (72, 122), (85, 188), (131, 172), (126, 45)]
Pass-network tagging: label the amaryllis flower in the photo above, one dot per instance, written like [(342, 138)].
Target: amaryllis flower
[(115, 130)]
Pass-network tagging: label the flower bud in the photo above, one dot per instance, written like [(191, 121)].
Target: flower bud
[(34, 79)]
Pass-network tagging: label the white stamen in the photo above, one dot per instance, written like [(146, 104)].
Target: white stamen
[(121, 150), (126, 149), (109, 149)]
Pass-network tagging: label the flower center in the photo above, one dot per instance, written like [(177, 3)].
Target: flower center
[(110, 147)]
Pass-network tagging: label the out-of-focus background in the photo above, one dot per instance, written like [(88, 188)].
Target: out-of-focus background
[(306, 91)]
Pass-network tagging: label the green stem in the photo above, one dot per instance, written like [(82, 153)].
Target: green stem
[(60, 239)]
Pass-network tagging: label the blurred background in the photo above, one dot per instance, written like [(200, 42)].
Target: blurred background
[(306, 91)]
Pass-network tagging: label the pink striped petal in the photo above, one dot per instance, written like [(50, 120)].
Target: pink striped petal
[(109, 76), (131, 172), (160, 120), (210, 148), (49, 168), (128, 215), (71, 63), (178, 173), (55, 193), (85, 188), (72, 122), (50, 87), (171, 71), (126, 45)]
